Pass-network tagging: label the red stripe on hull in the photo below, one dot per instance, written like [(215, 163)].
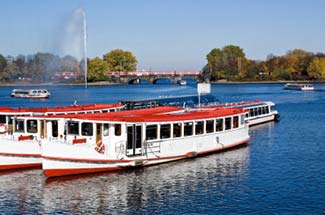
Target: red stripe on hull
[(64, 172), (20, 155), (67, 171), (20, 166)]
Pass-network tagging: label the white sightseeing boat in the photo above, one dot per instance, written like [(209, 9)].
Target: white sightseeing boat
[(258, 111), (31, 93), (295, 86), (139, 138), (20, 138)]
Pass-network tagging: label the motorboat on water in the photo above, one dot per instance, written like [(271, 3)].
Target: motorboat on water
[(296, 86), (182, 82), (31, 93), (139, 138), (20, 139)]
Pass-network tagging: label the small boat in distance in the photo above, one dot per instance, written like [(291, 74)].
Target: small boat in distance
[(31, 93), (182, 82), (295, 86)]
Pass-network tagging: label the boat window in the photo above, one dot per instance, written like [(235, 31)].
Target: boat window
[(219, 124), (118, 129), (106, 130), (235, 121), (209, 126), (55, 128), (32, 126), (96, 111), (188, 128), (251, 112), (73, 127), (87, 129), (104, 111), (151, 132), (242, 119), (2, 119), (227, 123), (112, 110), (272, 108), (9, 120), (263, 110), (255, 112), (199, 127), (165, 131), (259, 111), (177, 129), (19, 125)]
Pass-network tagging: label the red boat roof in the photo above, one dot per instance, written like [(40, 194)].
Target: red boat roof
[(163, 115), (59, 109)]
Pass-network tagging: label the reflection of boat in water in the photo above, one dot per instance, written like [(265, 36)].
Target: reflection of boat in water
[(31, 94), (20, 138), (295, 86), (140, 138), (138, 188)]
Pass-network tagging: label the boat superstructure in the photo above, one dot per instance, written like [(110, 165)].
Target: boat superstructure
[(20, 138), (31, 93), (139, 138), (295, 86), (258, 111)]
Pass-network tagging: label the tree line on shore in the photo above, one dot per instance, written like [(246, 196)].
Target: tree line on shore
[(227, 63)]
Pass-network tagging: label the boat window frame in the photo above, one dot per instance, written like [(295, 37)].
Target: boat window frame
[(106, 127), (219, 126), (235, 121), (199, 128), (87, 131), (188, 128), (118, 129), (165, 132), (18, 124), (3, 119), (212, 126), (179, 132), (151, 132), (74, 128), (228, 124), (30, 128)]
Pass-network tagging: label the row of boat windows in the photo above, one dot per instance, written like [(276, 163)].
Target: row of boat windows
[(192, 128), (166, 130), (258, 111)]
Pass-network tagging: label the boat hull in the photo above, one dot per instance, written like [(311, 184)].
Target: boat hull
[(79, 160), (19, 154)]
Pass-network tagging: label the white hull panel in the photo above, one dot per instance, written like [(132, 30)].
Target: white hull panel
[(19, 154)]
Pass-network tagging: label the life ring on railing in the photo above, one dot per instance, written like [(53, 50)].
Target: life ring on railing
[(3, 128), (100, 147)]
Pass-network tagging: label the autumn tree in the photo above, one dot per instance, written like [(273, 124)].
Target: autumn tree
[(97, 70), (119, 60), (316, 68)]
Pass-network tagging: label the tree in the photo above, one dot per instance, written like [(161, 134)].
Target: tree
[(97, 69), (119, 60), (227, 62), (316, 68), (3, 63)]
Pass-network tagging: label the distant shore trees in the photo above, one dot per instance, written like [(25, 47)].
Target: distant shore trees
[(230, 63)]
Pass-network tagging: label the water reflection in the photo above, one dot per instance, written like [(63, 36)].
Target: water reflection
[(133, 190)]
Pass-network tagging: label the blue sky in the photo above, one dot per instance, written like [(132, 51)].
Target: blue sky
[(166, 34)]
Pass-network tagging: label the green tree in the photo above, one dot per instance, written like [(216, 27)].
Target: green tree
[(3, 63), (228, 62), (97, 70), (119, 60)]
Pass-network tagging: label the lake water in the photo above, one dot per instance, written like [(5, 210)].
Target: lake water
[(280, 171)]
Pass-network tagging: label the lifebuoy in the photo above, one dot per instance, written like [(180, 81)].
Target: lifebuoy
[(100, 147), (3, 128)]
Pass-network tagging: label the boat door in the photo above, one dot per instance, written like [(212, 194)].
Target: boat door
[(98, 132), (134, 140), (42, 129)]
